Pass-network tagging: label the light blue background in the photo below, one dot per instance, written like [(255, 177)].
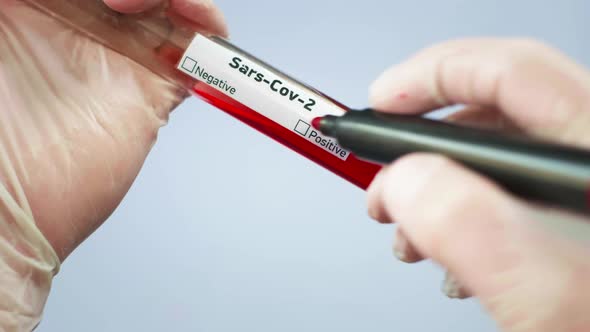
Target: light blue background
[(225, 230)]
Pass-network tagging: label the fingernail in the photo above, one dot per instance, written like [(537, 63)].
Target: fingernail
[(452, 288), (373, 193), (403, 249), (399, 248), (400, 255)]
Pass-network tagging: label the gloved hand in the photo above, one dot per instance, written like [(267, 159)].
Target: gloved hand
[(77, 121), (528, 264)]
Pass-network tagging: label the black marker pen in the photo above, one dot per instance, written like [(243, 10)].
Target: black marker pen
[(550, 173)]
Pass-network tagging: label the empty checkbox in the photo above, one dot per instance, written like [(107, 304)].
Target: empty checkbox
[(189, 64), (302, 127)]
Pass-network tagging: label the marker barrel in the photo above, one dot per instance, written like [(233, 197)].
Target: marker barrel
[(547, 172)]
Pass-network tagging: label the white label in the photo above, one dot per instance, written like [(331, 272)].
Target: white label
[(274, 96)]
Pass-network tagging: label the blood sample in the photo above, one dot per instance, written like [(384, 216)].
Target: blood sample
[(359, 172), (280, 107)]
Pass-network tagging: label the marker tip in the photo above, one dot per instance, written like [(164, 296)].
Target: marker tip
[(316, 123)]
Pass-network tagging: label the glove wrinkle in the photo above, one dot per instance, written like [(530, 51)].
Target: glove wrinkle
[(77, 123)]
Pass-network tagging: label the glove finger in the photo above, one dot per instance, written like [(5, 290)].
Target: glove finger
[(132, 6), (403, 249)]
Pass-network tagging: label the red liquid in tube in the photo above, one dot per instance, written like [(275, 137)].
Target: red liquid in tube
[(357, 171)]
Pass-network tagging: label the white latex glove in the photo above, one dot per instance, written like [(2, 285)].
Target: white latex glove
[(77, 121), (528, 264)]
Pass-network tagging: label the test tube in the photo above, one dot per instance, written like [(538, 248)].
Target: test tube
[(220, 73)]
